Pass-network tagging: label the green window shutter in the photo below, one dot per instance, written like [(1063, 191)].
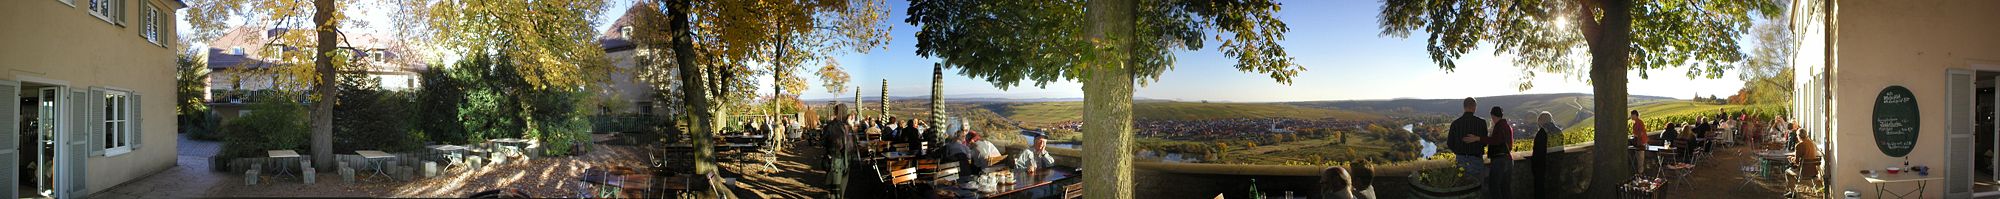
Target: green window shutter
[(10, 126), (93, 120), (138, 129)]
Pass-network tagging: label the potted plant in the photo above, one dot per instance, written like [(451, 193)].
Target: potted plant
[(1445, 182)]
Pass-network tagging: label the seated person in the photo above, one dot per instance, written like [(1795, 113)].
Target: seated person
[(1035, 157)]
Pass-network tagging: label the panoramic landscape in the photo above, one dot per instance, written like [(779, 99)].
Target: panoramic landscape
[(999, 99)]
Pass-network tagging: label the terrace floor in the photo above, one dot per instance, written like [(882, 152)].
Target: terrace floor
[(1720, 177), (540, 177)]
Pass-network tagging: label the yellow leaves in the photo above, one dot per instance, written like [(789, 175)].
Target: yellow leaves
[(551, 40)]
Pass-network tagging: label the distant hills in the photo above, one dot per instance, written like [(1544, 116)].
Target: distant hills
[(1568, 109)]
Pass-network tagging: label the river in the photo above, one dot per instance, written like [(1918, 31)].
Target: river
[(1429, 148)]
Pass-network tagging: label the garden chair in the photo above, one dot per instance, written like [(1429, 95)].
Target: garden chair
[(1680, 171), (1750, 172)]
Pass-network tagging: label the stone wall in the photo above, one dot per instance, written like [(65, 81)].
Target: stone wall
[(1180, 180)]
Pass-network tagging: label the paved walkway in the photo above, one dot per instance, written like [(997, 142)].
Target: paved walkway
[(541, 177), (189, 178)]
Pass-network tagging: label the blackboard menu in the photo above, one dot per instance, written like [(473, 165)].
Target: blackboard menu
[(1896, 121)]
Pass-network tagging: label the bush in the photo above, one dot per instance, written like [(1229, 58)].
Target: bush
[(366, 117), (203, 127), (275, 122), (498, 103), (436, 106)]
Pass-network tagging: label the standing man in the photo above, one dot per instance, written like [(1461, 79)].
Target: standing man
[(1639, 135), (1500, 147), (1469, 153), (839, 143)]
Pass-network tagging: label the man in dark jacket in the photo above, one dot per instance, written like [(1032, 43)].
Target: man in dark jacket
[(1468, 124)]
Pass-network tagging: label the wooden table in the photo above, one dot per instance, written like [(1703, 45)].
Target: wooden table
[(1882, 183), (277, 154), (373, 160)]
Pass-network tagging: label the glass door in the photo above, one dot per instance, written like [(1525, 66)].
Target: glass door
[(46, 111)]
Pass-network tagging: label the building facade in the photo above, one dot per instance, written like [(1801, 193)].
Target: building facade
[(1884, 84), (236, 57), (627, 90), (90, 86)]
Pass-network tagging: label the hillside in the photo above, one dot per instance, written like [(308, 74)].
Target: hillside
[(1568, 109), (1058, 112)]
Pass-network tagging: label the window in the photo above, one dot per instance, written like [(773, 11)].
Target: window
[(625, 32), (236, 50), (150, 24), (117, 122), (110, 10), (71, 3)]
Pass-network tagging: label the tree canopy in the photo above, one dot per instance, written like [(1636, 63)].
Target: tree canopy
[(551, 40), (1544, 36), (1006, 42)]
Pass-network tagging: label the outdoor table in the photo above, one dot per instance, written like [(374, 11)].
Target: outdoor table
[(278, 154), (513, 142), (1765, 158), (373, 160), (450, 152), (1043, 179), (618, 181), (1882, 182)]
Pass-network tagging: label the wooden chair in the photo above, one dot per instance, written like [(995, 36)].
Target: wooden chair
[(947, 172), (900, 147), (903, 176), (927, 170), (1073, 191)]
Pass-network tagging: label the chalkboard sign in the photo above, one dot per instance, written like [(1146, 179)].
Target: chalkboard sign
[(1896, 121)]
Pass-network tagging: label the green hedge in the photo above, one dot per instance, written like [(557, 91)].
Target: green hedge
[(275, 122)]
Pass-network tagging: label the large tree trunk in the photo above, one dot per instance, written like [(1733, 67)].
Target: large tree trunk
[(1609, 54), (1107, 101), (694, 91), (322, 113)]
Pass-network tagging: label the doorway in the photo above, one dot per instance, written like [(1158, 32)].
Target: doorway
[(39, 112), (1971, 163)]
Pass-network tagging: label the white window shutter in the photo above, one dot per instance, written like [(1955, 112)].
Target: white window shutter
[(10, 126), (80, 101), (138, 122), (93, 112)]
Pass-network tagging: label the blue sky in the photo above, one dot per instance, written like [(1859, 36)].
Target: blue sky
[(1338, 42)]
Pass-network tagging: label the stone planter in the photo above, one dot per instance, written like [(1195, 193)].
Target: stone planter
[(1420, 189)]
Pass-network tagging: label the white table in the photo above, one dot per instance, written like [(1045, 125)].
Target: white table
[(1882, 182), (373, 157), (453, 154), (278, 154)]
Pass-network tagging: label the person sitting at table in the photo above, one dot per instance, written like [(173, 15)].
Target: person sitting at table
[(1673, 131), (1036, 156)]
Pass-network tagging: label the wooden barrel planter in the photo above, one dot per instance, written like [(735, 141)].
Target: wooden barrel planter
[(1421, 189)]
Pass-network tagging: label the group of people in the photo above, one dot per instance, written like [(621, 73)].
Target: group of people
[(1485, 149), (852, 173)]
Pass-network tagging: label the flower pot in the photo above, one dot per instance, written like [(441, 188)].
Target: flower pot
[(1420, 189)]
